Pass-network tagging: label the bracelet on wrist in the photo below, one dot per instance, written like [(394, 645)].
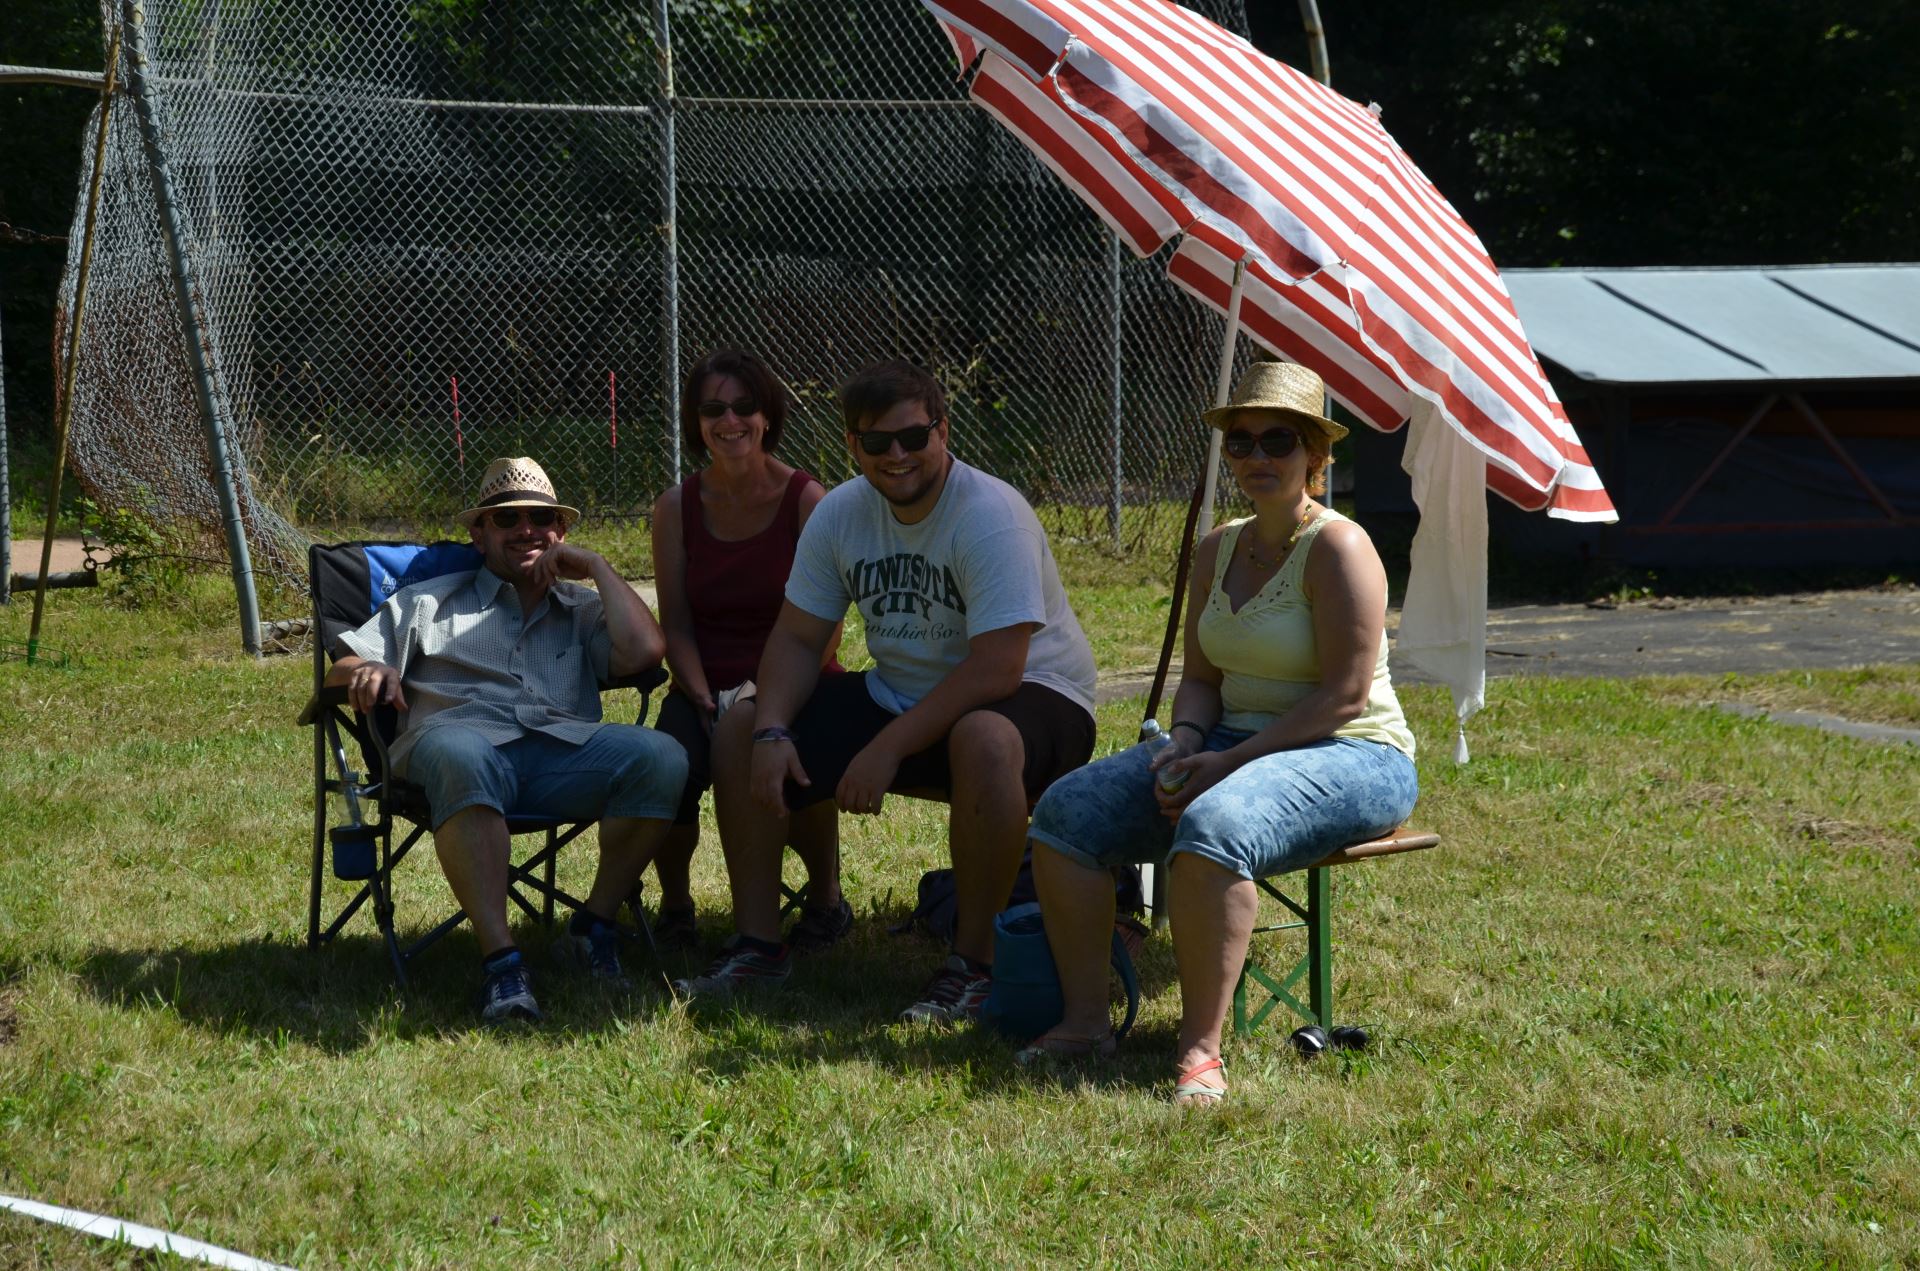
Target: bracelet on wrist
[(1187, 723), (775, 733)]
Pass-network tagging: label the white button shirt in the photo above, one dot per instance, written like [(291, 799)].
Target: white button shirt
[(466, 656)]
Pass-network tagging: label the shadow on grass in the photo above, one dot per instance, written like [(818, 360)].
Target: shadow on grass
[(343, 996), (839, 1008)]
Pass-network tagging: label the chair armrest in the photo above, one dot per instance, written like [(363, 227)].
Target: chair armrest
[(646, 681), (326, 695)]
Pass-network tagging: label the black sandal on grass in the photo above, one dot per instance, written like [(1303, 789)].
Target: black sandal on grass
[(676, 930), (817, 929)]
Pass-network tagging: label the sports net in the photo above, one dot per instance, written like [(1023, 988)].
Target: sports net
[(429, 232)]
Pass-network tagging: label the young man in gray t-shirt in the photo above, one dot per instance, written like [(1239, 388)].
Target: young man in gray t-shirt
[(982, 688)]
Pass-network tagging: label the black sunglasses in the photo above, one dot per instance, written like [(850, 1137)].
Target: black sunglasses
[(740, 406), (1277, 443), (912, 440), (507, 518)]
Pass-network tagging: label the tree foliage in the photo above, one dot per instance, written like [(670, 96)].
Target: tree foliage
[(1577, 132), (42, 130), (1618, 132)]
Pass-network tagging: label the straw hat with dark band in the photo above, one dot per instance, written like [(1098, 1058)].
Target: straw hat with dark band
[(516, 483), (1286, 387)]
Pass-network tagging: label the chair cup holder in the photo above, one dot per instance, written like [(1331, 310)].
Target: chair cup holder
[(355, 851)]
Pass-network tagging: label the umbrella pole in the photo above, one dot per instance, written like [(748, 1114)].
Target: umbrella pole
[(1222, 386), (1199, 522)]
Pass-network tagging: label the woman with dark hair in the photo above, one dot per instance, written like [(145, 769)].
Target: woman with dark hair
[(723, 543), (1287, 739)]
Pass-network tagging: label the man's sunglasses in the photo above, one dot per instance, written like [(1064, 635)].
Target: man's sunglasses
[(741, 407), (507, 518), (912, 440), (1276, 443)]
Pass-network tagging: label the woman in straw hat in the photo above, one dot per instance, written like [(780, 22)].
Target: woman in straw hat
[(1287, 741), (723, 543)]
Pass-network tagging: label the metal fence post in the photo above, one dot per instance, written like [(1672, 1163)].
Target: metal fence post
[(1114, 387), (178, 236), (669, 236)]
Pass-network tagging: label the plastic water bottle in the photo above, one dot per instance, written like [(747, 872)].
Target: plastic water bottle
[(1158, 743)]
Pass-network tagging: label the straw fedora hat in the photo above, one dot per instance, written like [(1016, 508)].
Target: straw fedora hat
[(1287, 387), (516, 483)]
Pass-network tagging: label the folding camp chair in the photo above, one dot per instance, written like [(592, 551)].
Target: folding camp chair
[(347, 583)]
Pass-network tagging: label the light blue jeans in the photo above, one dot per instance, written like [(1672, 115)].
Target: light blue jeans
[(623, 770), (1280, 812)]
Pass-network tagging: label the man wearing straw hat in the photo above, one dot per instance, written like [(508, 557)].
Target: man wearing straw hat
[(496, 673)]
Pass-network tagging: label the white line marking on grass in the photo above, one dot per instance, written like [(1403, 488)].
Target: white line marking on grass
[(1825, 723), (136, 1235)]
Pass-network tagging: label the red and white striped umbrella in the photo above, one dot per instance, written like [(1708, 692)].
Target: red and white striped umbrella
[(1353, 264)]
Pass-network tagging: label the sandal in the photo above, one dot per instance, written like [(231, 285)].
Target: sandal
[(1190, 1092), (1052, 1046), (818, 929), (676, 930)]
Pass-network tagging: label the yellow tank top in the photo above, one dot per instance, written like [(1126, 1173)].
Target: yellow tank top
[(1266, 652)]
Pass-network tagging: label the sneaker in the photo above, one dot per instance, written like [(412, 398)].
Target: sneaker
[(506, 995), (676, 930), (739, 967), (954, 995), (596, 950), (818, 929)]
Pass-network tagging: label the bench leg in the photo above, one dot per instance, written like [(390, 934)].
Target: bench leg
[(1320, 946)]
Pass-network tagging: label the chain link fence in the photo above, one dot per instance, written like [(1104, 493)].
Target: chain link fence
[(427, 232)]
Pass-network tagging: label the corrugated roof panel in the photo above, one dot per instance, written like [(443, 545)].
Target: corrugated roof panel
[(1711, 326)]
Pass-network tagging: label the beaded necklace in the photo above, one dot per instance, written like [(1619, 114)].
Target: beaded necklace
[(1293, 538)]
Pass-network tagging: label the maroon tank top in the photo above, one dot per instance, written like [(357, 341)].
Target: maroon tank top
[(735, 589)]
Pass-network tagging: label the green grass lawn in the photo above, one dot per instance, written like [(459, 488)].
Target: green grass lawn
[(1654, 1001)]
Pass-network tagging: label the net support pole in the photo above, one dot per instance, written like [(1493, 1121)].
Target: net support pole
[(1114, 386), (1222, 387), (178, 236), (6, 493), (669, 237)]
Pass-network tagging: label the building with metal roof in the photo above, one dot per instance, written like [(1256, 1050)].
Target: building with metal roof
[(1751, 416)]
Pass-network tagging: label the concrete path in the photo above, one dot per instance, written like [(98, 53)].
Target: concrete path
[(1662, 636)]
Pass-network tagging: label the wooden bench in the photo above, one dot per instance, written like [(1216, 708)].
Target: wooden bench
[(1314, 913)]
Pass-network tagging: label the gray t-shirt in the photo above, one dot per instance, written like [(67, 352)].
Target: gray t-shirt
[(979, 562)]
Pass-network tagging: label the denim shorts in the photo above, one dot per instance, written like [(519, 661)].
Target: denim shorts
[(623, 770), (1280, 812)]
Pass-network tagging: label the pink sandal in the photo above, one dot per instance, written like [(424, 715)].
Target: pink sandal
[(1190, 1092)]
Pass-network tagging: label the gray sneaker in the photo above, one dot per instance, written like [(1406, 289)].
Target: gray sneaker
[(507, 995), (596, 951), (738, 968), (953, 996)]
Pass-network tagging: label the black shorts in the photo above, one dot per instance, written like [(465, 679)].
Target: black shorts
[(679, 719), (841, 718)]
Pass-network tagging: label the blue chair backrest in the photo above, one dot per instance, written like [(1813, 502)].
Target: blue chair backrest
[(348, 581)]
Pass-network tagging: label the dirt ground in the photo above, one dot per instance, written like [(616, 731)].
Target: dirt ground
[(67, 555)]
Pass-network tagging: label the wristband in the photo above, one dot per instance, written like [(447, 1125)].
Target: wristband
[(775, 733), (1187, 723)]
